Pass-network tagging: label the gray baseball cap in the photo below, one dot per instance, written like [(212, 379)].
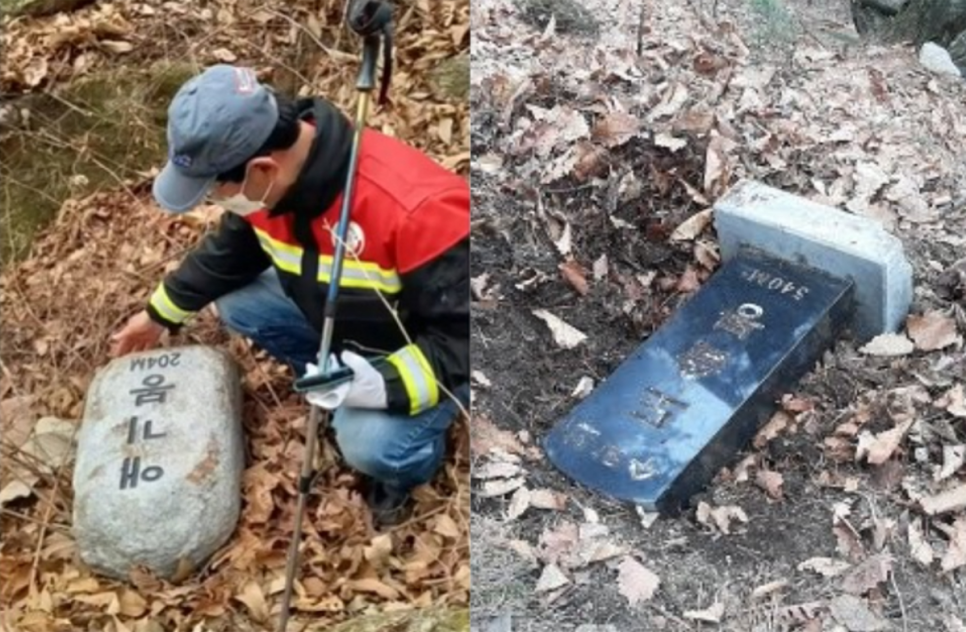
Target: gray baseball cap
[(217, 121)]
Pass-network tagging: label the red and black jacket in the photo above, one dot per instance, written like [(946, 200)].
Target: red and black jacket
[(410, 239)]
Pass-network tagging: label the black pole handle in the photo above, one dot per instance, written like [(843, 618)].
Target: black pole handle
[(372, 21)]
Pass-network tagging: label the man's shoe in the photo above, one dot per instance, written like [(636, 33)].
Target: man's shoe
[(389, 505)]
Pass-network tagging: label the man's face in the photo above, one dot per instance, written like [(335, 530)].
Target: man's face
[(261, 178)]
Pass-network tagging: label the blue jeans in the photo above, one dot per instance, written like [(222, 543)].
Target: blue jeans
[(398, 450)]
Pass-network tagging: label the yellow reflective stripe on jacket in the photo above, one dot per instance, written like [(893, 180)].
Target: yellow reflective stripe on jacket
[(417, 377), (166, 307), (285, 256), (355, 274)]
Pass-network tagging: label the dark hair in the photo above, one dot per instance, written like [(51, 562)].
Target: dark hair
[(284, 135)]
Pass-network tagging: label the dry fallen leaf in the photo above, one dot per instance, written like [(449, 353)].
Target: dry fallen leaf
[(932, 331), (489, 163), (17, 489), (867, 575), (954, 401), (718, 164), (918, 546), (616, 128), (133, 604), (446, 526), (575, 275), (225, 55), (254, 599), (600, 268), (564, 335), (51, 444), (674, 97), (692, 227), (706, 253), (558, 541), (496, 469), (523, 549), (374, 586), (741, 470), (551, 578), (485, 437), (954, 456), (519, 503), (500, 487), (668, 141), (565, 243), (778, 422), (956, 553), (771, 482), (379, 549), (635, 581), (953, 624), (712, 614), (720, 516), (593, 549), (945, 502), (825, 566), (879, 448), (480, 378), (17, 419), (855, 615), (35, 71), (548, 499), (848, 543), (769, 588), (584, 387), (116, 46), (794, 404), (689, 281)]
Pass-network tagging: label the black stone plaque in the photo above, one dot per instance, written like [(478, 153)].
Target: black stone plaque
[(679, 408)]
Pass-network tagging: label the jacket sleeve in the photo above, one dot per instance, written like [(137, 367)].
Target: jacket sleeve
[(436, 301), (225, 260)]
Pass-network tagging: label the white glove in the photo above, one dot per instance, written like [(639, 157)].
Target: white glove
[(367, 389)]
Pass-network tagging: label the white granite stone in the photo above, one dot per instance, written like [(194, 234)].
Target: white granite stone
[(937, 59), (160, 456), (790, 227)]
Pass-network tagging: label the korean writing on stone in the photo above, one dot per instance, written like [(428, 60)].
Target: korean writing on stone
[(775, 283), (702, 360), (154, 390), (609, 455), (742, 321), (658, 407), (131, 470)]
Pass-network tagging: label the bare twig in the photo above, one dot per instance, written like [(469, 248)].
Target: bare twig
[(902, 605), (19, 516), (44, 523)]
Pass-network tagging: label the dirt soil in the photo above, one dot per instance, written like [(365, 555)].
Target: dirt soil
[(592, 247)]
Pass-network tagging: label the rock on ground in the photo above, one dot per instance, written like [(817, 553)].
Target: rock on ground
[(937, 59), (160, 456)]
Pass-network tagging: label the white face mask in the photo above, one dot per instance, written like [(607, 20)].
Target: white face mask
[(241, 205)]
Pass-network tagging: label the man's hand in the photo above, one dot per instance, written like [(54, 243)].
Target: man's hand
[(139, 334), (366, 390)]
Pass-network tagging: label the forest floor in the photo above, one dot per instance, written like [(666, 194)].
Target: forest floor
[(587, 157), (94, 264)]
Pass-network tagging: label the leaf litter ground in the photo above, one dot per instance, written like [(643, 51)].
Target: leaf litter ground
[(593, 170), (95, 266)]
